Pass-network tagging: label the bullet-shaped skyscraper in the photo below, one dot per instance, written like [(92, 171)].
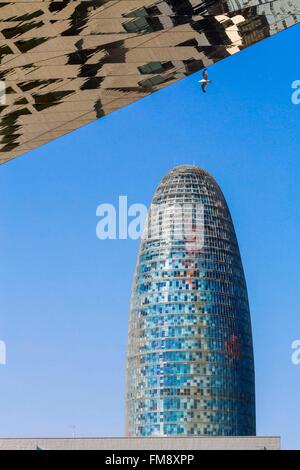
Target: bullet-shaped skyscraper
[(190, 367)]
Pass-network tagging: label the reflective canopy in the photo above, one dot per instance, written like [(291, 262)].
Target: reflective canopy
[(67, 63)]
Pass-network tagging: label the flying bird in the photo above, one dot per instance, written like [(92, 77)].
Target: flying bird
[(204, 81)]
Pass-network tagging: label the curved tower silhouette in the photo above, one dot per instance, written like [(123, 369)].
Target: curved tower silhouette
[(190, 367)]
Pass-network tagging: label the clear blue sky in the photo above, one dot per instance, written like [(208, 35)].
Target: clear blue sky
[(64, 294)]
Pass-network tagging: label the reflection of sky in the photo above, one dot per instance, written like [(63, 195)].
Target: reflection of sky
[(64, 294)]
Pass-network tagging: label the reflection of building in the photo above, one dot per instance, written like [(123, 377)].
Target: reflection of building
[(66, 63), (190, 364)]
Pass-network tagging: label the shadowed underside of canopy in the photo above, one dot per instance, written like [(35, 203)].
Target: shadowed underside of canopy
[(67, 63)]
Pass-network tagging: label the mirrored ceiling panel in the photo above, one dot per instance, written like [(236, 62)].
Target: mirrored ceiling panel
[(66, 63)]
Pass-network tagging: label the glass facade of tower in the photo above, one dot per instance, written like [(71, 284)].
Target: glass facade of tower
[(112, 53), (190, 368)]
